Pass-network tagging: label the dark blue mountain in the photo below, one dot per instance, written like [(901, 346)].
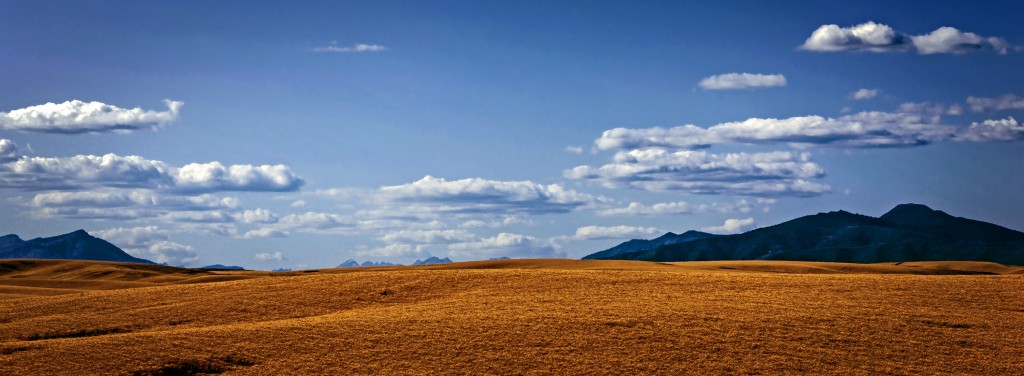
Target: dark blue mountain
[(909, 232), (78, 245), (639, 245), (223, 267), (433, 260)]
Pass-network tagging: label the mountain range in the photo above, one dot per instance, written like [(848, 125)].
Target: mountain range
[(77, 245), (908, 232)]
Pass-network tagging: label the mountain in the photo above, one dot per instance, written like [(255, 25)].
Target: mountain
[(908, 232), (638, 245), (223, 267), (350, 263), (433, 260), (78, 245)]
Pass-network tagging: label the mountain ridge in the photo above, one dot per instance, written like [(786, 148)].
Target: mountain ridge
[(908, 232), (75, 245)]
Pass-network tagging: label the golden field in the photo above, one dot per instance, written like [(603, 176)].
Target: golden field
[(514, 317)]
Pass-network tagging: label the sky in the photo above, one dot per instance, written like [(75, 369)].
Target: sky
[(303, 134)]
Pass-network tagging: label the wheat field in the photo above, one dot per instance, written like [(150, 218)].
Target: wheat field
[(514, 317)]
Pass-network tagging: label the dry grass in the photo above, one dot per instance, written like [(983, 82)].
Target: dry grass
[(528, 316)]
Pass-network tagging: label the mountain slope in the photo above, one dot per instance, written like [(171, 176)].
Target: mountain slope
[(77, 245), (909, 232), (637, 245)]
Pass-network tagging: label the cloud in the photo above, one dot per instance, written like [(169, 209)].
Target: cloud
[(863, 94), (699, 172), (149, 242), (876, 37), (355, 48), (73, 117), (480, 196), (614, 232), (994, 130), (734, 81), (298, 204), (267, 256), (395, 250), (732, 226), (122, 204), (574, 149), (257, 216), (315, 222), (862, 130), (1006, 102), (265, 232), (8, 151), (504, 245), (428, 236), (112, 170), (639, 209), (949, 40)]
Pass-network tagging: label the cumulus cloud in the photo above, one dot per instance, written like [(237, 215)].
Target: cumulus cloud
[(257, 216), (614, 232), (699, 172), (316, 222), (8, 151), (264, 232), (1006, 102), (267, 256), (504, 244), (863, 94), (481, 196), (149, 242), (662, 208), (122, 204), (994, 130), (946, 40), (112, 170), (395, 250), (861, 130), (876, 37), (511, 220), (732, 226), (360, 47), (76, 116), (735, 81)]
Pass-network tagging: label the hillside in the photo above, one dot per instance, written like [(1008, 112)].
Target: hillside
[(908, 232), (532, 316), (77, 245)]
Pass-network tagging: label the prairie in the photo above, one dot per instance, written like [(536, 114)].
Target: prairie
[(514, 317)]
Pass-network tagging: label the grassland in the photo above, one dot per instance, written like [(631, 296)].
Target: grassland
[(515, 317)]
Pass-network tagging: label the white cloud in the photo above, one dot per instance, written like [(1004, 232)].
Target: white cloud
[(945, 40), (298, 204), (199, 217), (267, 256), (122, 204), (863, 94), (257, 216), (265, 232), (1006, 102), (869, 36), (732, 226), (480, 196), (861, 130), (875, 37), (511, 220), (360, 47), (614, 232), (574, 149), (395, 250), (84, 117), (504, 245), (734, 81), (8, 151), (428, 236), (316, 222), (149, 242), (994, 130), (112, 170), (754, 174), (662, 208)]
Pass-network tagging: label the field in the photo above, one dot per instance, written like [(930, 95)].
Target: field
[(514, 317)]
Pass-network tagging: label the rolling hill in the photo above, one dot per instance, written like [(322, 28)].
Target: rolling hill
[(908, 232)]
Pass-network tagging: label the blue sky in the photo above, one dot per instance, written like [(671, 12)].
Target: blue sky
[(474, 130)]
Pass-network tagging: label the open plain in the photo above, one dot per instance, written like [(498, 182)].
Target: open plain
[(514, 316)]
